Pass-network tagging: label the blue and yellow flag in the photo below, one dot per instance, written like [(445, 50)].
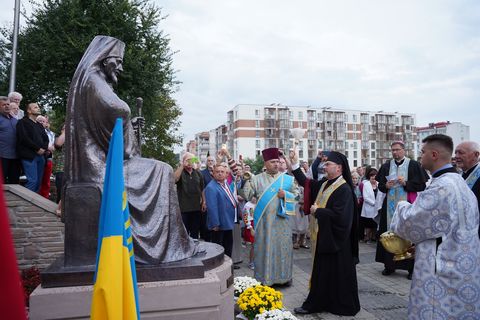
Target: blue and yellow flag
[(115, 294)]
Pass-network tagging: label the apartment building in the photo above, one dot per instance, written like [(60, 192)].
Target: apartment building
[(364, 136), (202, 144), (192, 147), (456, 130)]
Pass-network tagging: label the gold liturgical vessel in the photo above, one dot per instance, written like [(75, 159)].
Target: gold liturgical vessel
[(396, 245)]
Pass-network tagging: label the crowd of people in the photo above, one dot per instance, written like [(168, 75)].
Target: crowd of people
[(27, 145), (432, 202)]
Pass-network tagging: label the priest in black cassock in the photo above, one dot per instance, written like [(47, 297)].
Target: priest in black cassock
[(400, 179), (333, 284)]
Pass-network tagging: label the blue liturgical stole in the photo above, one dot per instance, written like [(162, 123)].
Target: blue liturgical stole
[(287, 205)]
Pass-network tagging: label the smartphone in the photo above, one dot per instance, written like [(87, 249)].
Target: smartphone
[(193, 160)]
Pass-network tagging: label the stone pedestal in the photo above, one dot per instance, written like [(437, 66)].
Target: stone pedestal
[(208, 298), (210, 256)]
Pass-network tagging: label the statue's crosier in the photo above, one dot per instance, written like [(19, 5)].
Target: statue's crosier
[(93, 106)]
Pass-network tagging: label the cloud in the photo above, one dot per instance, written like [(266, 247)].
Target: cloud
[(407, 56), (376, 55)]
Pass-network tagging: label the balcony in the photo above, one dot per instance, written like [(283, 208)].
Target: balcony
[(269, 115), (271, 143), (270, 133), (270, 123)]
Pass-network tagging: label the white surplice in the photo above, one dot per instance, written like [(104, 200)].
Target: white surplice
[(446, 279)]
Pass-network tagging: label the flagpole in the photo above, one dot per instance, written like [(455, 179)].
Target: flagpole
[(16, 25)]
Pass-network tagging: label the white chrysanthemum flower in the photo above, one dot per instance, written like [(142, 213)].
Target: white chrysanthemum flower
[(276, 314), (241, 284)]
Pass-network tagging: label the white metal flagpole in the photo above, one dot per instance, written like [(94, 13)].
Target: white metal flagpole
[(13, 67)]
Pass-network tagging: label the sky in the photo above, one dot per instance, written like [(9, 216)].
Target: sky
[(420, 57)]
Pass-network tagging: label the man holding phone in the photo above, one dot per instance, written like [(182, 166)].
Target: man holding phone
[(190, 196)]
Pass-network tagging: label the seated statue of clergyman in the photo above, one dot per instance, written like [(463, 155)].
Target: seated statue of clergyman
[(158, 232)]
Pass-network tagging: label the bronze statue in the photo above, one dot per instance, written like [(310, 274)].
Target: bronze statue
[(158, 232)]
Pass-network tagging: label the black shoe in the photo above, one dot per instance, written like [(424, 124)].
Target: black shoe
[(236, 267), (300, 310), (409, 276), (387, 272)]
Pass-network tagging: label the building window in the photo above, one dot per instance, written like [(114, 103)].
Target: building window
[(300, 153), (355, 163), (320, 144), (355, 145), (346, 117), (373, 154), (373, 163), (257, 144), (257, 123), (354, 118), (300, 115), (290, 115), (346, 154), (257, 133), (236, 115), (257, 113), (372, 145), (346, 145), (355, 154)]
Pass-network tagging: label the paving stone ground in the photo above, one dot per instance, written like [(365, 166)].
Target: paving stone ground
[(381, 297)]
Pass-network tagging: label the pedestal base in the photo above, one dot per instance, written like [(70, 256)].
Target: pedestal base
[(57, 275), (208, 298)]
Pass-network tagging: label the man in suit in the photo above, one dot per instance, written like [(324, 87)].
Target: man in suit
[(221, 209)]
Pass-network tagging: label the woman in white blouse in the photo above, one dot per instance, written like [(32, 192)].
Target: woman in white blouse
[(369, 210)]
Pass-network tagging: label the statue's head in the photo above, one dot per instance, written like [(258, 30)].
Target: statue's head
[(112, 67), (105, 55)]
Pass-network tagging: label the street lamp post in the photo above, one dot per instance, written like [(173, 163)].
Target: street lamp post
[(16, 24)]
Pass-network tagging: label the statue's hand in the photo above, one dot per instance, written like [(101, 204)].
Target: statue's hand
[(138, 122)]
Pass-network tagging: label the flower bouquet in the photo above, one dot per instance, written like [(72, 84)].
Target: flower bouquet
[(276, 314), (241, 284), (256, 300)]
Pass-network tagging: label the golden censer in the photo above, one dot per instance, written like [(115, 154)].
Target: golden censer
[(396, 245)]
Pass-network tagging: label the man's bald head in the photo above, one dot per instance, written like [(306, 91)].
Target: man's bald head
[(211, 162), (42, 120), (467, 154)]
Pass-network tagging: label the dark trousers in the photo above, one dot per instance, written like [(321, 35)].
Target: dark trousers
[(59, 184), (223, 238), (192, 221), (204, 232), (12, 169)]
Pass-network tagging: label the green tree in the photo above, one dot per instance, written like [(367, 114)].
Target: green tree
[(55, 38), (256, 165)]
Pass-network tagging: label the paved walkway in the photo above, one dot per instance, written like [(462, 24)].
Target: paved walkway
[(381, 297)]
